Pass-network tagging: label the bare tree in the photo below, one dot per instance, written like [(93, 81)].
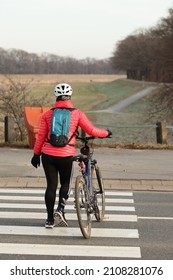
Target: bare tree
[(148, 54), (163, 32), (14, 96), (21, 62), (162, 100), (135, 54)]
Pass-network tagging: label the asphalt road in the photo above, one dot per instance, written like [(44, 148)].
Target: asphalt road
[(155, 224), (114, 163)]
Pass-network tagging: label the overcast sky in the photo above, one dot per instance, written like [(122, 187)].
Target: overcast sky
[(76, 28)]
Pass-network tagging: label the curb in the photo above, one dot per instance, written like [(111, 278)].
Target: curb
[(111, 184)]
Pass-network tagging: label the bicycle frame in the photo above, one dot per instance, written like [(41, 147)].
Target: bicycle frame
[(87, 173), (87, 160), (88, 186)]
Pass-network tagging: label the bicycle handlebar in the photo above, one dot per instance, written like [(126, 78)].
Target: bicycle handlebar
[(87, 138), (84, 139)]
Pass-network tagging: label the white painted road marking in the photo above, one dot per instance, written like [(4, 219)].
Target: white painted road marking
[(32, 200), (71, 199), (68, 231), (70, 250), (42, 191), (68, 207), (70, 216), (155, 218)]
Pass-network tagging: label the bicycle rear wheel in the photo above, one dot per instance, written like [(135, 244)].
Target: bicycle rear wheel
[(99, 194), (81, 200)]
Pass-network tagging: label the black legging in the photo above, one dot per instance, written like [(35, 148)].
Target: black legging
[(52, 166)]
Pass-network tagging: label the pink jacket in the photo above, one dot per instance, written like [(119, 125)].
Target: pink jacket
[(78, 118)]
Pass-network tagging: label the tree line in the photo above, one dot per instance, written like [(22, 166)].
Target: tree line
[(15, 61), (147, 54)]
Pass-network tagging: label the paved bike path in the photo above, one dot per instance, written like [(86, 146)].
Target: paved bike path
[(128, 101), (121, 169)]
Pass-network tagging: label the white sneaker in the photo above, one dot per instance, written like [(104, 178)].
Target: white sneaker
[(60, 219), (49, 224)]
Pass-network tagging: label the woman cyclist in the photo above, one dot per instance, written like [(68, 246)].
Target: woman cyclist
[(58, 160)]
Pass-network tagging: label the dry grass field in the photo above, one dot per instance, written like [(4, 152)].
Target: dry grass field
[(56, 78)]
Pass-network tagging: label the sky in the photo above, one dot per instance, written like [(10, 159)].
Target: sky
[(75, 28)]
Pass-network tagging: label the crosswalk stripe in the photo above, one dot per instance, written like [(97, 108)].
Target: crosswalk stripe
[(71, 199), (155, 218), (70, 250), (120, 218), (68, 231), (68, 207), (30, 201), (42, 191), (69, 216)]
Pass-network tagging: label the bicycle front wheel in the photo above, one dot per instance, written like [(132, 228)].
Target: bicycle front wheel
[(99, 193), (82, 206)]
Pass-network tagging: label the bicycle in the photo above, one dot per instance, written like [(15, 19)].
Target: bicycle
[(89, 189)]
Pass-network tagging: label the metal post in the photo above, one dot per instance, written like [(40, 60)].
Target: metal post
[(161, 132), (6, 128)]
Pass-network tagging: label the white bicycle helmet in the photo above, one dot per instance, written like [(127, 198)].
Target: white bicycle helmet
[(63, 89)]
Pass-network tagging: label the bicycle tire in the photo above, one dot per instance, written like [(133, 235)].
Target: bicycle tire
[(81, 201), (99, 193)]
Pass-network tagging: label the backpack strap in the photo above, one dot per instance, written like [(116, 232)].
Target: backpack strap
[(74, 133)]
